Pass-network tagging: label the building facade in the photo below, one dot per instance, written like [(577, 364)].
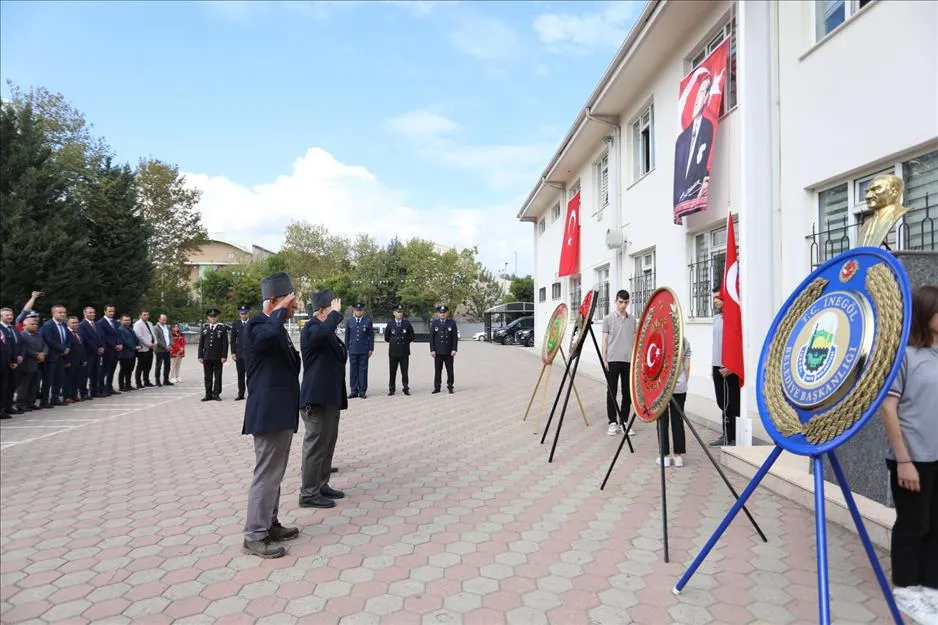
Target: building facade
[(808, 118), (215, 254)]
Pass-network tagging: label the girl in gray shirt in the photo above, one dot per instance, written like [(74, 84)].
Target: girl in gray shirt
[(910, 415)]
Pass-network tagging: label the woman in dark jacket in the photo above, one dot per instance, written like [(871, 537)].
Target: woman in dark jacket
[(128, 354)]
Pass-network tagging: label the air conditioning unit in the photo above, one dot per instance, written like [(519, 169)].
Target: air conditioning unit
[(616, 238)]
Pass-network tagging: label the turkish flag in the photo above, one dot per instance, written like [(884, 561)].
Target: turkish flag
[(732, 312), (570, 252)]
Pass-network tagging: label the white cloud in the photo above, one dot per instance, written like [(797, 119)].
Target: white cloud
[(485, 38), (582, 32), (420, 124), (349, 199)]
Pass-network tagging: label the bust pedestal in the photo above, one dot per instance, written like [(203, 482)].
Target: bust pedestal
[(863, 456)]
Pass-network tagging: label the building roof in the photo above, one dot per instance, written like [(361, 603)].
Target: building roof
[(662, 27)]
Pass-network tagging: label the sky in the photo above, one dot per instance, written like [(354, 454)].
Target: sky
[(391, 118)]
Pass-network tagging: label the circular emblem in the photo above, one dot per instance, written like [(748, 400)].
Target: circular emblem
[(556, 327), (826, 349), (583, 320), (833, 351), (657, 355)]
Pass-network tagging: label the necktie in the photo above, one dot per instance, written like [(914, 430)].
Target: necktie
[(61, 332)]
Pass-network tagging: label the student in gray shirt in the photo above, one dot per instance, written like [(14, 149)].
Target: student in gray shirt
[(619, 330), (910, 416), (677, 423)]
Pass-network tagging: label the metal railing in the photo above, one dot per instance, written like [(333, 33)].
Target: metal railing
[(916, 231), (703, 277), (640, 289)]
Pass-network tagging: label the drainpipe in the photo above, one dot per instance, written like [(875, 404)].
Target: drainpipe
[(776, 151), (615, 188)]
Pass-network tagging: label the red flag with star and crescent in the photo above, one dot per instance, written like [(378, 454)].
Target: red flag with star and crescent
[(570, 251), (732, 311)]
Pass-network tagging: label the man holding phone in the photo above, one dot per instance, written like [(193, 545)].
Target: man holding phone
[(271, 413)]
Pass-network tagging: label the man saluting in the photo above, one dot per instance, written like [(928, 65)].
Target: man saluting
[(271, 414)]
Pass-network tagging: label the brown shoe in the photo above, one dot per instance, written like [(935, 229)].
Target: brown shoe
[(263, 549), (280, 533)]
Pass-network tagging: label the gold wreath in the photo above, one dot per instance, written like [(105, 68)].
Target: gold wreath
[(824, 426), (578, 334)]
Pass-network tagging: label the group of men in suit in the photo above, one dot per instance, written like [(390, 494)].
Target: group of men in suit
[(67, 360), (277, 398)]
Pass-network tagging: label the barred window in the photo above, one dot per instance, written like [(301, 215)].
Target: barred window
[(602, 302), (642, 283)]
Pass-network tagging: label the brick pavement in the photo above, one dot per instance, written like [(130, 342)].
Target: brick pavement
[(130, 509)]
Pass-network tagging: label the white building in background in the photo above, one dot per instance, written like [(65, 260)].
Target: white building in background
[(821, 96)]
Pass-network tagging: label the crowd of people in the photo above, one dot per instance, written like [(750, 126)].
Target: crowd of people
[(66, 359)]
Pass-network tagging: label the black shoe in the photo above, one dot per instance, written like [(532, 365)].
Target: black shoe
[(278, 533), (206, 399), (263, 548), (450, 389), (239, 398), (159, 384), (720, 442), (5, 416), (335, 470), (16, 410), (407, 391), (390, 393), (113, 392), (435, 391), (363, 396), (331, 493), (316, 502), (147, 385), (353, 395), (168, 383)]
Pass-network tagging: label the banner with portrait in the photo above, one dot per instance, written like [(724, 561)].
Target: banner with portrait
[(700, 97)]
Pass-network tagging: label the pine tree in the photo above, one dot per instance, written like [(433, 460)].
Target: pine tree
[(45, 243)]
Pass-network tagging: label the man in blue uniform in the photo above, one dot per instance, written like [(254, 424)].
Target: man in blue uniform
[(236, 351), (323, 397), (360, 340), (271, 414), (399, 334), (444, 341)]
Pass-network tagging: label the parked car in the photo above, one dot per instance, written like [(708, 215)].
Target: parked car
[(525, 337), (506, 335), (478, 336)]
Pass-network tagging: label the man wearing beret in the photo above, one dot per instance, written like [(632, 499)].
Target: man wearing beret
[(399, 334), (271, 414), (322, 396), (444, 341), (360, 340), (236, 353), (213, 352)]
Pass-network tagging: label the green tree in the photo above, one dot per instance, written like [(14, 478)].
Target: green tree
[(45, 242), (313, 254), (522, 289), (216, 289), (167, 203), (117, 237), (484, 293)]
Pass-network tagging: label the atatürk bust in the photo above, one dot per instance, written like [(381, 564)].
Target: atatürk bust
[(882, 197)]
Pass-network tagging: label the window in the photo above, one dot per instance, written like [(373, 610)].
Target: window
[(555, 290), (642, 283), (231, 255), (541, 226), (643, 143), (918, 229), (729, 92), (542, 294), (576, 296), (555, 213), (706, 272), (602, 183), (602, 302), (833, 235), (830, 14)]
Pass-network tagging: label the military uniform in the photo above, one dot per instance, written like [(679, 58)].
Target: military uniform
[(399, 334), (444, 342), (213, 351), (360, 341), (237, 349)]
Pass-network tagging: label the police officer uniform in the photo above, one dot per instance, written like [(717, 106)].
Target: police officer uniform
[(360, 341), (237, 349), (213, 351), (399, 334), (444, 342)]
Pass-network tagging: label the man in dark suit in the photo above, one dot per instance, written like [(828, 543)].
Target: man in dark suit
[(692, 150), (34, 355), (399, 334), (15, 352), (76, 363), (55, 335), (6, 359), (323, 396), (110, 338), (94, 350), (271, 414), (444, 342), (236, 347), (213, 353), (360, 341)]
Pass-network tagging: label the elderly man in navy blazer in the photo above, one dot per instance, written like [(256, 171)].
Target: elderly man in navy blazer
[(271, 413), (323, 396)]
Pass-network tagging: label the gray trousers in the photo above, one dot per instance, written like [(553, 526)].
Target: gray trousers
[(322, 432), (271, 452)]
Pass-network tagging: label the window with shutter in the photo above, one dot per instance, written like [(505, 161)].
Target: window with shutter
[(832, 217), (920, 176)]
